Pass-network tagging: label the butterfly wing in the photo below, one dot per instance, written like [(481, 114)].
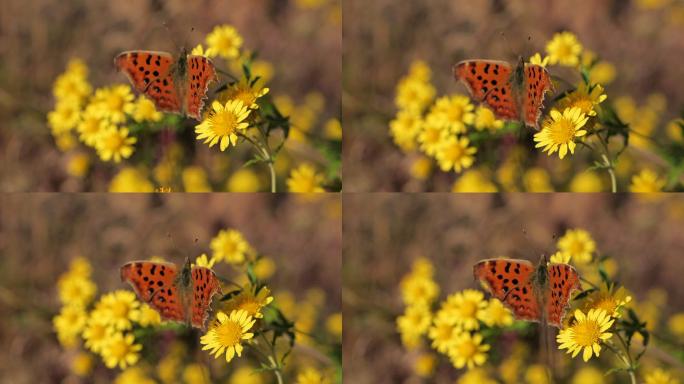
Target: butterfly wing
[(205, 285), (537, 83), (489, 81), (201, 73), (509, 280), (155, 284), (151, 73), (563, 279)]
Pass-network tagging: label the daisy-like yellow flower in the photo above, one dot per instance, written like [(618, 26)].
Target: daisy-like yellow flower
[(198, 50), (203, 261), (120, 309), (414, 91), (96, 333), (424, 365), (660, 376), (311, 375), (113, 103), (229, 245), (647, 182), (144, 110), (405, 128), (82, 364), (560, 258), (496, 314), (558, 132), (585, 334), (578, 244), (432, 132), (564, 49), (243, 180), (477, 376), (250, 301), (414, 323), (485, 119), (444, 334), (223, 124), (537, 179), (130, 180), (227, 333), (72, 84), (469, 351), (463, 309), (305, 179), (195, 179), (91, 126), (120, 351), (610, 300), (69, 324), (148, 316), (473, 181), (75, 290), (64, 117), (224, 41), (586, 181), (418, 289), (134, 375), (114, 144), (246, 375), (454, 112), (455, 153), (583, 98), (245, 92), (602, 72), (537, 60)]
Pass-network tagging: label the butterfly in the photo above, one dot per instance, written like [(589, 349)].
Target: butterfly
[(183, 296), (512, 94), (174, 85), (538, 293)]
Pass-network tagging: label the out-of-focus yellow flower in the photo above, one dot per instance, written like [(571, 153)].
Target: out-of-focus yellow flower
[(405, 128), (130, 180), (418, 289), (424, 365), (586, 333), (64, 117), (485, 119), (676, 325), (120, 309), (243, 180), (230, 245), (120, 350), (560, 258), (421, 167), (332, 129), (559, 131), (648, 183), (334, 324), (224, 41), (113, 103), (285, 104), (264, 268), (114, 144), (246, 375), (431, 135), (78, 165), (227, 333), (652, 4), (444, 334), (250, 301), (586, 181), (91, 126), (414, 92), (75, 290), (585, 98), (148, 316), (536, 374), (311, 375), (413, 324), (537, 179), (198, 51), (510, 369), (82, 364), (195, 180), (496, 314), (96, 332), (675, 130), (304, 179), (453, 112), (245, 92), (196, 374), (660, 376), (578, 244), (133, 375), (310, 4), (203, 261), (468, 351), (564, 49), (223, 124), (69, 324), (73, 83), (473, 181), (602, 72), (588, 375), (455, 153), (464, 309), (610, 300), (537, 60), (476, 376), (144, 110)]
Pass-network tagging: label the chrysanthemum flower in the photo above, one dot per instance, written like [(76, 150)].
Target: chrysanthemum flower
[(120, 309), (463, 309), (244, 180), (72, 86), (578, 244), (422, 266), (114, 144), (414, 92), (454, 112), (610, 300), (560, 257), (230, 246), (647, 182), (224, 41), (405, 128), (145, 110), (418, 289), (455, 153), (223, 124), (586, 333), (130, 179), (91, 126), (564, 49), (148, 316), (227, 333), (496, 314), (468, 351), (413, 324), (660, 376), (120, 350), (69, 324), (584, 99), (537, 60), (243, 91), (96, 333), (558, 132), (485, 119), (473, 181), (305, 179), (113, 103), (249, 301), (204, 261), (432, 133), (444, 334), (64, 117), (75, 290)]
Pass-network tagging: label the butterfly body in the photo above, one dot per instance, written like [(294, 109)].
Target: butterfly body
[(174, 85), (533, 293), (182, 295), (511, 93)]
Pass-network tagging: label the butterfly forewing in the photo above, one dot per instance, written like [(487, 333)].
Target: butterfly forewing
[(155, 284), (205, 285), (537, 83), (510, 280), (200, 73), (489, 81), (563, 279)]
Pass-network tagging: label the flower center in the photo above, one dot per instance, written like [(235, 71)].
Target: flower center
[(576, 247), (120, 309), (115, 102), (467, 349), (468, 309), (563, 131), (455, 113), (564, 50), (250, 306), (587, 333), (114, 141), (229, 333), (224, 123), (607, 304), (118, 349), (454, 152)]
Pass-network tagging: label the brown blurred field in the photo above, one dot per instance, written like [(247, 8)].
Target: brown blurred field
[(383, 37), (40, 233), (384, 233), (38, 37)]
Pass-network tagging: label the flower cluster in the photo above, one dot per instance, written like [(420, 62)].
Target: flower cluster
[(120, 329)]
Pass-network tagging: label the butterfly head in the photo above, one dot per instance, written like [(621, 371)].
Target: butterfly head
[(541, 273), (185, 275)]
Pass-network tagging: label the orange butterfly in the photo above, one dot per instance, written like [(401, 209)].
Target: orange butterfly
[(184, 296), (511, 94), (177, 86), (525, 288)]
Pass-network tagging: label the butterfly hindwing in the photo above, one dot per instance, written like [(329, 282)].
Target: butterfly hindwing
[(489, 81), (509, 280), (537, 83), (200, 73), (155, 284), (562, 280), (205, 285)]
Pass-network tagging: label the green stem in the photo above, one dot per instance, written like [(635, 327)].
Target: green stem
[(626, 357), (266, 153), (608, 163)]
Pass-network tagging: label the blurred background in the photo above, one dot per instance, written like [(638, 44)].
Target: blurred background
[(454, 232), (40, 234), (299, 50), (638, 40)]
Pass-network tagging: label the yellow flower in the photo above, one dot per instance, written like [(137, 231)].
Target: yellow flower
[(405, 128), (469, 351), (418, 289), (203, 261), (537, 374), (536, 179), (72, 84), (564, 49), (444, 334), (227, 333), (652, 4), (473, 181), (413, 324), (584, 99), (485, 119), (96, 332), (414, 95), (558, 132), (455, 153), (586, 333), (476, 376), (78, 165), (69, 324), (333, 324), (65, 117), (425, 364), (114, 144), (588, 375), (537, 60), (264, 268), (496, 314), (608, 300), (676, 324), (243, 180), (130, 180), (148, 316), (310, 375), (144, 110), (82, 364), (75, 290), (560, 258), (246, 375), (244, 92), (196, 374), (113, 103), (586, 181), (304, 179), (454, 112), (578, 244), (464, 309), (133, 375), (120, 309), (195, 180), (250, 301), (230, 246), (602, 72), (675, 130), (332, 129), (660, 376), (223, 124), (224, 41), (198, 51), (431, 135), (647, 182), (120, 350)]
